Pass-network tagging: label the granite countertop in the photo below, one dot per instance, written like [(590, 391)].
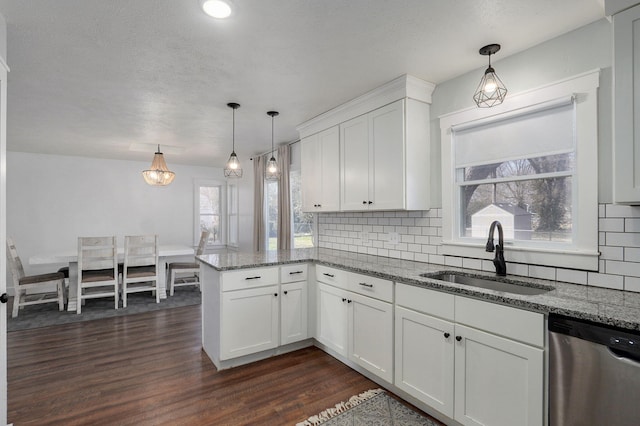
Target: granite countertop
[(613, 307)]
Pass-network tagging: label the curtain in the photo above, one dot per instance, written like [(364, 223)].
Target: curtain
[(258, 203), (284, 198)]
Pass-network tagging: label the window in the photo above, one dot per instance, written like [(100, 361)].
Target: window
[(302, 221), (531, 164), (209, 209)]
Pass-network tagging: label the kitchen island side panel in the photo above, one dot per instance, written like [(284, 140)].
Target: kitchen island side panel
[(211, 312)]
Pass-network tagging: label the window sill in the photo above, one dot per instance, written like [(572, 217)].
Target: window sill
[(574, 259)]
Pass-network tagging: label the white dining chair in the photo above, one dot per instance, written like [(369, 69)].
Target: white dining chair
[(97, 269), (140, 270), (187, 273), (33, 289)]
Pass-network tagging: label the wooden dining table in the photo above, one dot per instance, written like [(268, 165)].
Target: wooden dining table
[(71, 257)]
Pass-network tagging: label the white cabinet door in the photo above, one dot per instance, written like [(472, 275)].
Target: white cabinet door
[(498, 382), (354, 144), (320, 168), (424, 358), (310, 172), (293, 312), (387, 145), (249, 321), (371, 335), (329, 141), (332, 320), (626, 133)]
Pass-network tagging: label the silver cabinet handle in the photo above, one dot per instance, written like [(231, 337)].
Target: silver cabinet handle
[(366, 285), (253, 278)]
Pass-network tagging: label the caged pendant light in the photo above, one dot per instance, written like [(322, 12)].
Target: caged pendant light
[(232, 169), (272, 172), (158, 174), (491, 91)]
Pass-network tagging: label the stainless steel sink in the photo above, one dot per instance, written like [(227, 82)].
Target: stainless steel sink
[(490, 284)]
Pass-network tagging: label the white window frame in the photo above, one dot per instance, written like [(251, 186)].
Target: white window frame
[(583, 252), (197, 184), (233, 209)]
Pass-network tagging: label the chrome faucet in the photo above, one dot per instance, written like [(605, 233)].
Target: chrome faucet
[(498, 261)]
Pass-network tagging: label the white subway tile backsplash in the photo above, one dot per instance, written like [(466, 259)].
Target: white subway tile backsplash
[(631, 254), (453, 261), (604, 280), (617, 210), (571, 276), (542, 272), (631, 225), (611, 225), (632, 284), (471, 263), (628, 239), (420, 236), (622, 268), (611, 253)]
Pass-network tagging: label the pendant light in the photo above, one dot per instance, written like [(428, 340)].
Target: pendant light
[(491, 91), (158, 174), (232, 169), (272, 172)]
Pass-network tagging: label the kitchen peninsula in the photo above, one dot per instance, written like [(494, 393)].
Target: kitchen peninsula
[(362, 309)]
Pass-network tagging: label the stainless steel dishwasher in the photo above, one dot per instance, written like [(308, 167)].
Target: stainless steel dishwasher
[(594, 374)]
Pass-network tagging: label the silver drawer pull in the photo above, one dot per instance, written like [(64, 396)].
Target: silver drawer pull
[(253, 278), (366, 285), (328, 275), (295, 272)]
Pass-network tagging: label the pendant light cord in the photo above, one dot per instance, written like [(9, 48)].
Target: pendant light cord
[(233, 132)]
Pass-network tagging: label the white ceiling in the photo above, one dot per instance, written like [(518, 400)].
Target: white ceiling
[(112, 78)]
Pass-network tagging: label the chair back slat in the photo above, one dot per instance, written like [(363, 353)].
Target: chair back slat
[(140, 250), (97, 253), (15, 264), (204, 237)]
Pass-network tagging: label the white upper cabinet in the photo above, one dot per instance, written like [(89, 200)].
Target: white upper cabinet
[(321, 171), (373, 161), (383, 161), (626, 107)]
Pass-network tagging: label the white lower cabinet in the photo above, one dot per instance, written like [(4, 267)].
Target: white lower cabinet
[(332, 318), (424, 358), (477, 362), (293, 312), (262, 308), (371, 335), (249, 321), (357, 326)]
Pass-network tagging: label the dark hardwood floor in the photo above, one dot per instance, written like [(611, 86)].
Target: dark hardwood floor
[(148, 369)]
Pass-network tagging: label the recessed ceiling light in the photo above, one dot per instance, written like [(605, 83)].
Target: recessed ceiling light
[(216, 8)]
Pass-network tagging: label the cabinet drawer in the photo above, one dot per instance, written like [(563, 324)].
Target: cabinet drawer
[(516, 324), (427, 301), (335, 277), (371, 286), (293, 273), (249, 278)]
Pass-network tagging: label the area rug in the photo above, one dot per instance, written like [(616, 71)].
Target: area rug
[(373, 407), (47, 314)]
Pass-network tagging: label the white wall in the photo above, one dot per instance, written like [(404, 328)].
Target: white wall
[(52, 200)]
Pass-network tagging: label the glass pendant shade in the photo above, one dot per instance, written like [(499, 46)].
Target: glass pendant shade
[(232, 169), (272, 171), (158, 174), (491, 91)]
